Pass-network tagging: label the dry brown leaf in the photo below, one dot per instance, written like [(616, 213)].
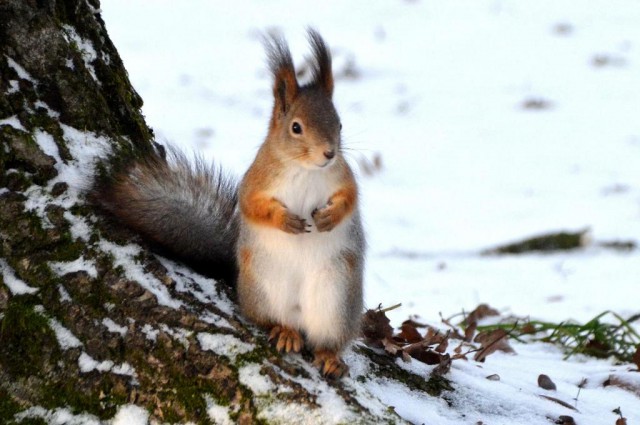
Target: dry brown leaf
[(442, 347), (455, 332), (409, 333), (494, 377), (423, 353), (435, 336), (636, 357), (560, 402), (545, 382), (405, 356), (621, 421), (415, 323), (471, 321), (565, 420), (460, 356), (470, 331), (458, 352), (620, 382), (490, 342), (443, 367), (375, 327), (390, 346), (430, 333), (482, 311)]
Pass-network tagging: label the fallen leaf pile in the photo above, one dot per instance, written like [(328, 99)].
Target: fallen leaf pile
[(427, 344)]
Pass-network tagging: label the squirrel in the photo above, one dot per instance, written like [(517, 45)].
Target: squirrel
[(291, 230)]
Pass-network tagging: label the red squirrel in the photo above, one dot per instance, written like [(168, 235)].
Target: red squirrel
[(292, 228)]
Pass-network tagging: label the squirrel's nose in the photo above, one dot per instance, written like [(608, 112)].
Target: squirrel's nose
[(329, 154)]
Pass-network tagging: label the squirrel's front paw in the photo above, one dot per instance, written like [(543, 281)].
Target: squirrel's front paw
[(325, 218), (294, 224)]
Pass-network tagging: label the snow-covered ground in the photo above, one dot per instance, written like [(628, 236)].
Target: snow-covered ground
[(494, 121)]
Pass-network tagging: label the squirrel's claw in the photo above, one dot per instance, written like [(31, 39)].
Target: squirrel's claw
[(286, 339), (330, 364)]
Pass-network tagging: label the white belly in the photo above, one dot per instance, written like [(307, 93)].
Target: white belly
[(301, 275)]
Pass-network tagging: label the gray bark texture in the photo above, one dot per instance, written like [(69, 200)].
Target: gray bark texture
[(90, 321)]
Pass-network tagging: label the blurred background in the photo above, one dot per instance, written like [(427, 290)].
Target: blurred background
[(472, 124)]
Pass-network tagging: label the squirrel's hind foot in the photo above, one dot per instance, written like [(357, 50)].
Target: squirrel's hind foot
[(330, 364), (286, 339)]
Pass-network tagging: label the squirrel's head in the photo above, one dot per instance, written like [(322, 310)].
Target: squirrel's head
[(304, 122)]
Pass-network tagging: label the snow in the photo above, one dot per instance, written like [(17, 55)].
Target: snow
[(515, 397), (114, 327), (48, 145), (61, 268), (22, 73), (87, 364), (87, 149), (53, 114), (64, 294), (179, 334), (12, 121), (203, 288), (150, 333), (130, 414), (60, 416), (332, 407), (224, 345), (15, 285), (14, 87), (86, 50), (79, 227), (124, 256), (218, 414), (250, 376), (66, 339), (124, 369)]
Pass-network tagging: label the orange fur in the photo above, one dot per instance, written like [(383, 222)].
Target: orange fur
[(261, 209), (245, 258), (344, 200)]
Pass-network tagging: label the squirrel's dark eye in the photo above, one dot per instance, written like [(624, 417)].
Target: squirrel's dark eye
[(340, 126), (296, 128)]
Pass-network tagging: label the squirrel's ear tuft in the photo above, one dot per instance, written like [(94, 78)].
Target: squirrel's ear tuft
[(321, 62), (285, 84)]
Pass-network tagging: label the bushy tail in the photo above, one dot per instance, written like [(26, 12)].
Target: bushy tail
[(186, 208)]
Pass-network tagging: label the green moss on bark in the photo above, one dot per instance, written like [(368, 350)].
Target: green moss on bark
[(27, 343)]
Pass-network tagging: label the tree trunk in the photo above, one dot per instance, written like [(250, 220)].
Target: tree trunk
[(89, 321)]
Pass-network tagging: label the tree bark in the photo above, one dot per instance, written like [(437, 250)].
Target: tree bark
[(89, 321)]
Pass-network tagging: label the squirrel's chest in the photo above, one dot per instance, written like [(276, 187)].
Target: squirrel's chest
[(302, 191)]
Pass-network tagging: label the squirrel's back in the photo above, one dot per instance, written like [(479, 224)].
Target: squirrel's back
[(185, 208)]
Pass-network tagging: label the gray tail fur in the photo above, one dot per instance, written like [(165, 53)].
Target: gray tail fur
[(186, 209)]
